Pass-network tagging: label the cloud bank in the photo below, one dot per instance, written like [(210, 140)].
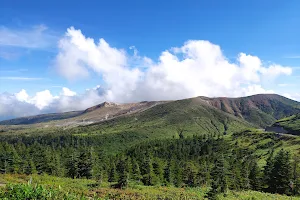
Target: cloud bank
[(197, 68)]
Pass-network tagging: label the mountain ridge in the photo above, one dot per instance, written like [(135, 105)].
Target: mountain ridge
[(260, 109)]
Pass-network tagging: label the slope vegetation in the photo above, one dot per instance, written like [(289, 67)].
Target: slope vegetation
[(289, 125), (261, 109), (212, 115)]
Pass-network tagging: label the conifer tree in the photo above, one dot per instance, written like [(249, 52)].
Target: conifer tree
[(177, 175), (112, 175), (158, 170), (245, 171), (84, 165), (123, 174), (281, 173), (71, 166), (218, 179), (136, 172), (268, 171), (296, 176), (168, 179), (149, 177), (189, 174), (255, 177)]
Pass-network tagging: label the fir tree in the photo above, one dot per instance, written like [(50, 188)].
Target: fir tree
[(268, 171), (71, 166), (218, 176), (189, 174), (112, 175), (158, 170), (123, 174), (84, 165), (149, 177), (136, 173), (168, 179), (177, 175), (255, 177), (281, 173)]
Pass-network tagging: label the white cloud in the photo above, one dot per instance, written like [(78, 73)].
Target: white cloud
[(38, 37), (21, 104), (295, 96), (198, 68), (67, 92), (276, 70), (11, 107), (42, 99), (22, 96)]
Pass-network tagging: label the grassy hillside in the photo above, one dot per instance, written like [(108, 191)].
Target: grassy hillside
[(189, 117), (291, 124), (261, 143), (84, 189)]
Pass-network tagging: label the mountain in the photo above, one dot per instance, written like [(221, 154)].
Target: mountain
[(115, 127), (260, 110), (103, 111), (40, 118)]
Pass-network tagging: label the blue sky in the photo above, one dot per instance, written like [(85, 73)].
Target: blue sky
[(32, 33)]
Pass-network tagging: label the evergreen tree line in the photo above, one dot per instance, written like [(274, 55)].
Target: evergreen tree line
[(185, 162)]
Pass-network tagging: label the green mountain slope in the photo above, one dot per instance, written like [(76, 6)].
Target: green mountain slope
[(187, 117), (166, 120), (261, 109), (288, 125)]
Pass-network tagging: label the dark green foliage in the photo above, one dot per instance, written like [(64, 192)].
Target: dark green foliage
[(281, 173), (189, 174), (295, 176), (168, 178), (158, 170), (123, 169), (195, 161), (218, 178), (149, 177), (84, 165), (136, 172), (72, 165), (112, 175), (255, 177)]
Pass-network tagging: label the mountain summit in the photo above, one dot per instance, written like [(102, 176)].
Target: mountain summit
[(259, 110)]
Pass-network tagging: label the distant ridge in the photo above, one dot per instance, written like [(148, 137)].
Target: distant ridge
[(261, 110)]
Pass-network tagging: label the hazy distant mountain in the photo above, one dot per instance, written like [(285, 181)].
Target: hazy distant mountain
[(259, 110)]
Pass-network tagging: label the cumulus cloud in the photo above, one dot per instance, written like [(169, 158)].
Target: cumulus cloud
[(198, 68), (21, 104)]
